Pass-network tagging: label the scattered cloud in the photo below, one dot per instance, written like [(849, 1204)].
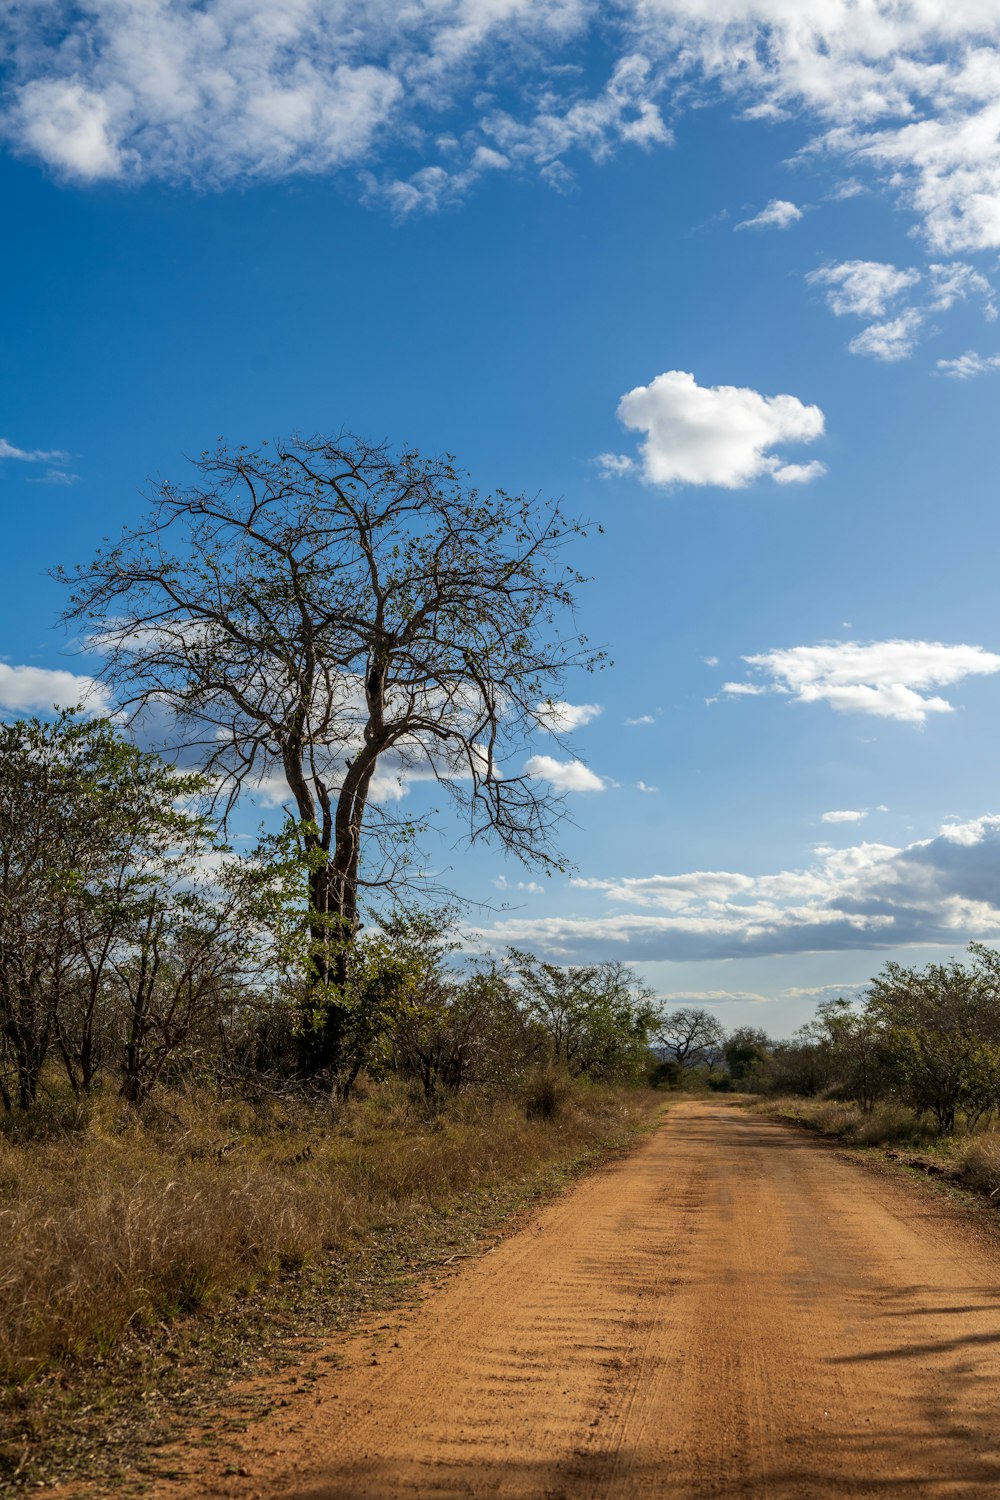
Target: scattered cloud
[(968, 365), (563, 718), (528, 887), (713, 997), (40, 689), (640, 719), (849, 188), (799, 473), (624, 111), (868, 289), (431, 188), (779, 214), (815, 993), (410, 97), (957, 281), (54, 476), (940, 890), (719, 435), (892, 340), (865, 288), (205, 92), (889, 679), (613, 465), (642, 787), (30, 455), (564, 775), (847, 816), (744, 689)]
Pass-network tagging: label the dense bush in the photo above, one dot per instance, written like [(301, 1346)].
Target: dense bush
[(926, 1040)]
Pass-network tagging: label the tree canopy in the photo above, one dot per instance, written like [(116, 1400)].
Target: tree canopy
[(322, 620)]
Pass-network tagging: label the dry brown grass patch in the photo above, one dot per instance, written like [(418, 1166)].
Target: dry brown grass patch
[(118, 1223)]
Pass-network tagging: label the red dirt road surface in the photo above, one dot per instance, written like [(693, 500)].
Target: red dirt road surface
[(734, 1309)]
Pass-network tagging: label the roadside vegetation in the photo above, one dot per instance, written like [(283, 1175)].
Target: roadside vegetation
[(226, 1057), (912, 1066), (161, 1140), (115, 1223)]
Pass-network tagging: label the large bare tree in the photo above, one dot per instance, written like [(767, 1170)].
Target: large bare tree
[(326, 616)]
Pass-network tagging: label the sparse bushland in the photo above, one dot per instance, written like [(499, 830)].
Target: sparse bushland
[(216, 1069), (113, 1220), (328, 616), (969, 1157), (885, 1124), (922, 1044), (160, 1143)]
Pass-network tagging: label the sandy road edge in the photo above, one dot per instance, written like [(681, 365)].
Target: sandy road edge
[(920, 1173), (98, 1433)]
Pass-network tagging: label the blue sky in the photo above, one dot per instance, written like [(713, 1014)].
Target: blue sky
[(719, 274)]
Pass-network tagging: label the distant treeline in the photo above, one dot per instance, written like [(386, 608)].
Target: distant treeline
[(926, 1038), (135, 951)]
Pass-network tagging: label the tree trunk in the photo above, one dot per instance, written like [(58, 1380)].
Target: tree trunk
[(333, 928)]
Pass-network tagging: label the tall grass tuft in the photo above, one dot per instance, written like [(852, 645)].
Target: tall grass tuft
[(886, 1124), (109, 1221)]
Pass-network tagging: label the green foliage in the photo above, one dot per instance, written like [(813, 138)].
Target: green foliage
[(321, 610), (596, 1021), (745, 1049), (927, 1039), (101, 846), (942, 1072)]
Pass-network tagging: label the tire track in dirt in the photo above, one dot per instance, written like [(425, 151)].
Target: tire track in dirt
[(732, 1310)]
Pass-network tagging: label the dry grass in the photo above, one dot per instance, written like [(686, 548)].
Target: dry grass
[(977, 1161), (118, 1222), (885, 1125), (971, 1159)]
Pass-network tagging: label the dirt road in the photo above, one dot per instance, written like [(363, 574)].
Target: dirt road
[(733, 1310)]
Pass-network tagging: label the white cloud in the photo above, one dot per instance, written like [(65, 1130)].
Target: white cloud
[(217, 90), (940, 890), (909, 90), (432, 188), (847, 816), (889, 679), (529, 887), (778, 214), (564, 775), (29, 455), (812, 992), (744, 689), (865, 288), (711, 661), (623, 112), (713, 997), (40, 689), (849, 188), (613, 465), (563, 718), (957, 281), (54, 476), (70, 127), (640, 719), (967, 365), (868, 289), (642, 787), (799, 473), (891, 340), (719, 435)]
